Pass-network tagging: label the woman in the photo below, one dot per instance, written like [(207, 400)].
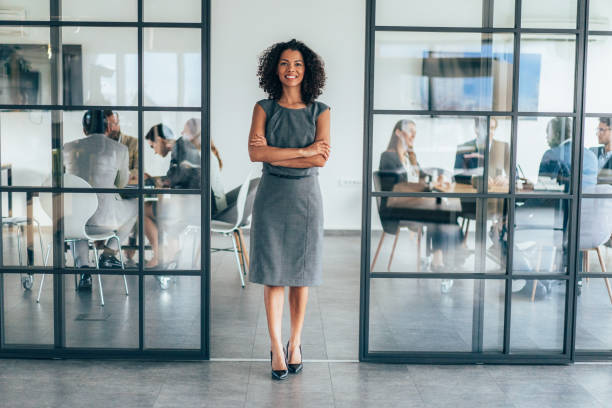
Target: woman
[(192, 131), (400, 155), (183, 173), (401, 159), (290, 135)]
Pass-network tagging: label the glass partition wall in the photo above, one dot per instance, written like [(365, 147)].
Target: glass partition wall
[(486, 227), (104, 243)]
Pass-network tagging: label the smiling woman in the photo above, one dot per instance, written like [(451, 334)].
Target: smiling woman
[(290, 135)]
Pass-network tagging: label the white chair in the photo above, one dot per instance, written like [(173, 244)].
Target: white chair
[(78, 208), (26, 281), (595, 227), (234, 231)]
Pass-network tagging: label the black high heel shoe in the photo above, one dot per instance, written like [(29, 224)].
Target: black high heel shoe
[(279, 374), (294, 368)]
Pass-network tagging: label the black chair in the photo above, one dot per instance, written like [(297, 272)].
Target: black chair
[(392, 223)]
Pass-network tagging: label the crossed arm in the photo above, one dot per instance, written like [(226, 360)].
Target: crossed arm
[(315, 155)]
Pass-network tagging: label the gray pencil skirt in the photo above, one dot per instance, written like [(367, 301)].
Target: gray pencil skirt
[(287, 232)]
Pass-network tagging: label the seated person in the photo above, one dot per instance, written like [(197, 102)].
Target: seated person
[(103, 163), (470, 155), (604, 152), (184, 172), (400, 158), (192, 132), (556, 162)]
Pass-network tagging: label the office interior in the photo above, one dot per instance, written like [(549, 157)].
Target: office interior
[(489, 242)]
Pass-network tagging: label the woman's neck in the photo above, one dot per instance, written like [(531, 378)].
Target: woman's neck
[(291, 96)]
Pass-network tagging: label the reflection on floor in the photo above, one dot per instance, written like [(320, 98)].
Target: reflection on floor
[(239, 327)]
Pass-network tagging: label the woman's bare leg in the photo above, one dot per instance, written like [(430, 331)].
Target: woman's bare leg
[(274, 297), (150, 230), (298, 298)]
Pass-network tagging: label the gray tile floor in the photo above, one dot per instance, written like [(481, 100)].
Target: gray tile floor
[(75, 383)]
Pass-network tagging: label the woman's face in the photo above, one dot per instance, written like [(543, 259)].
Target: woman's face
[(159, 146), (408, 134), (291, 68)]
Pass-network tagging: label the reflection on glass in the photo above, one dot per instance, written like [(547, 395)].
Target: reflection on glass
[(24, 244), (25, 10), (172, 312), (415, 234), (441, 153), (598, 141), (598, 77), (25, 61), (190, 11), (537, 315), (173, 230), (22, 131), (547, 60), (172, 67), (549, 14), (25, 320), (596, 231), (109, 10), (544, 156), (440, 71), (599, 15), (412, 315), (402, 13), (100, 66), (593, 330), (88, 324), (540, 237)]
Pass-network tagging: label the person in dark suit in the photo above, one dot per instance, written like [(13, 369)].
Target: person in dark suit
[(470, 155)]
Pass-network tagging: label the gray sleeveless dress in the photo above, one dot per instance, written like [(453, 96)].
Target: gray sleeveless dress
[(287, 223)]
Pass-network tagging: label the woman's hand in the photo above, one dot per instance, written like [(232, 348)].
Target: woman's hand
[(318, 148), (258, 140)]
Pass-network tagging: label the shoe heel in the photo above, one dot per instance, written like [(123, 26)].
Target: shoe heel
[(278, 374)]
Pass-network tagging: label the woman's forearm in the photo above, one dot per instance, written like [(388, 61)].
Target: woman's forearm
[(270, 154), (302, 162)]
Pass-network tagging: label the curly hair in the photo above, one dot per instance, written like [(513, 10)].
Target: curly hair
[(314, 71)]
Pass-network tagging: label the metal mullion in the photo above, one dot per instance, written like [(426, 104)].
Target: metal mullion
[(576, 189), (595, 195), (475, 30), (1, 261), (599, 32), (141, 216), (205, 210), (425, 112), (436, 275), (131, 108), (71, 23), (421, 112), (596, 115), (512, 179), (556, 196), (78, 190), (596, 275), (366, 202)]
